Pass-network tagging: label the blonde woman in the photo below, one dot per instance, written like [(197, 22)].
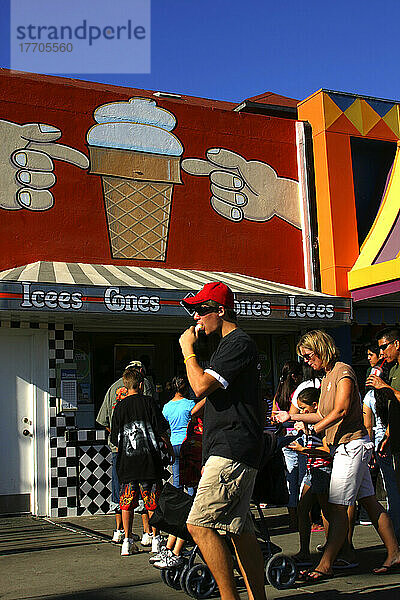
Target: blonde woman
[(340, 416)]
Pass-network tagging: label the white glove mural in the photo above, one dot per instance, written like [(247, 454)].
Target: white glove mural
[(26, 164), (246, 189)]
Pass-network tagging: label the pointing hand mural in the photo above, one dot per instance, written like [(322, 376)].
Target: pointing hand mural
[(133, 150), (26, 164), (246, 189)]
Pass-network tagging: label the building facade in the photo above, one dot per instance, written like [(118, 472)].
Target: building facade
[(116, 204)]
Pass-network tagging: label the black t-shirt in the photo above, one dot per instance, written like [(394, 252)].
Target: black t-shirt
[(136, 426), (232, 416)]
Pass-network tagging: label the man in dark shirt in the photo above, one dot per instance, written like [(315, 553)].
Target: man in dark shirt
[(389, 346), (232, 439), (137, 425)]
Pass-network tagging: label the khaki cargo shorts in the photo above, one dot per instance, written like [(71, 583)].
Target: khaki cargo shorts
[(223, 496)]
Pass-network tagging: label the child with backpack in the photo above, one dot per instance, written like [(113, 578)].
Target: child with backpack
[(137, 426)]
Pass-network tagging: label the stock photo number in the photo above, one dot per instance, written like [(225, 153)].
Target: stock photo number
[(48, 47)]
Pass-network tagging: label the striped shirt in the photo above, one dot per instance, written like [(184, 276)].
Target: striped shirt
[(313, 440)]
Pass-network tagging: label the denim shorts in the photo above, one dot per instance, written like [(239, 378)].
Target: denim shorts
[(318, 479)]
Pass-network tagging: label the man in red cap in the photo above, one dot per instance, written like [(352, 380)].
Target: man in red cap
[(231, 442)]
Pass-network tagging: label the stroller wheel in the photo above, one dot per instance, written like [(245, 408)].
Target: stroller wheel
[(281, 571), (182, 579), (199, 582), (172, 577), (162, 573)]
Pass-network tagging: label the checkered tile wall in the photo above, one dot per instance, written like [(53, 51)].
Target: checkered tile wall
[(80, 461)]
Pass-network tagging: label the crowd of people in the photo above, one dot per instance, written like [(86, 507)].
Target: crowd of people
[(211, 431), (340, 423)]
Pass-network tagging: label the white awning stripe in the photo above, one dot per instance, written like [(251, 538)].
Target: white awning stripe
[(153, 280), (93, 275), (259, 284), (120, 275), (144, 277), (62, 273), (182, 278), (30, 273), (243, 283), (3, 274)]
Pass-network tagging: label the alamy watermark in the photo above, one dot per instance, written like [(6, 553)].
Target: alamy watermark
[(96, 36)]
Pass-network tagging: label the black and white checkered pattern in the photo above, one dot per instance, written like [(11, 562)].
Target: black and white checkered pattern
[(63, 456), (80, 461), (94, 478)]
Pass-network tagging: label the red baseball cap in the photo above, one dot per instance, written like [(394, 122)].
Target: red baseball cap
[(217, 291)]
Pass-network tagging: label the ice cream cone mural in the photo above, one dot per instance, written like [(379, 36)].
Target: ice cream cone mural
[(138, 157)]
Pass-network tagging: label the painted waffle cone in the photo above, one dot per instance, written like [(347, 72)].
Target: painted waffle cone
[(138, 214)]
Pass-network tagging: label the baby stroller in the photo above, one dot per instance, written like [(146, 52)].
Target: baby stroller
[(194, 577)]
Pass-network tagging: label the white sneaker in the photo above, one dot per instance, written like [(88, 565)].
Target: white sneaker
[(147, 539), (127, 547), (118, 536), (160, 555), (156, 544), (169, 561)]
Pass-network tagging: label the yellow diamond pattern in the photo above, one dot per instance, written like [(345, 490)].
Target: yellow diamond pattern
[(363, 117), (354, 114), (370, 117), (331, 111), (392, 119), (361, 114)]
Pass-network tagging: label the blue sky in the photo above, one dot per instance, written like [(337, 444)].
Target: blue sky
[(234, 49)]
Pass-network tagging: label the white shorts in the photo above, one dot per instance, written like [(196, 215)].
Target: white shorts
[(351, 479)]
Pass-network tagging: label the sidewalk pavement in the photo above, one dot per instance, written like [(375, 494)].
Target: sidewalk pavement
[(73, 559)]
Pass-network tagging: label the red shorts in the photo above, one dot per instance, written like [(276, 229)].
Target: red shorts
[(129, 494)]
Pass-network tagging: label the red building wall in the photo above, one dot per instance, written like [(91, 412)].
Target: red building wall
[(74, 229)]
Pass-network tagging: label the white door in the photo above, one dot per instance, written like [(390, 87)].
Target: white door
[(23, 414)]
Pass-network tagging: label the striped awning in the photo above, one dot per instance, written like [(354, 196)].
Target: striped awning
[(144, 277)]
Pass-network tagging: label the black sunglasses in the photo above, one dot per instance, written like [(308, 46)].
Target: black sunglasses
[(384, 346), (203, 309)]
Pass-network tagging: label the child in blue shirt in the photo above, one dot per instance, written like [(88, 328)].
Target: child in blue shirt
[(178, 414)]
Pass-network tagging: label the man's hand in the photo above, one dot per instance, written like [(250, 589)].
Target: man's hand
[(187, 340), (246, 189), (280, 416), (383, 448), (376, 382), (26, 159)]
